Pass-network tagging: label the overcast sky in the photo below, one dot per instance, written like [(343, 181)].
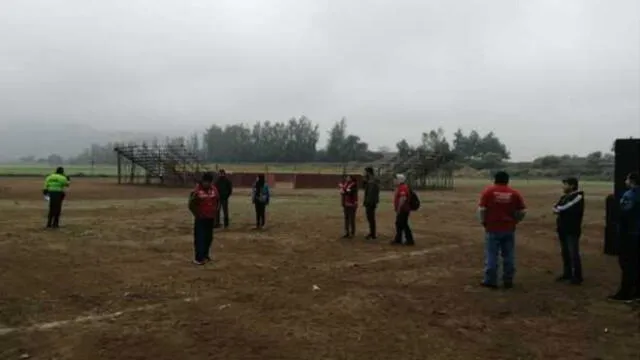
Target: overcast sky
[(548, 76)]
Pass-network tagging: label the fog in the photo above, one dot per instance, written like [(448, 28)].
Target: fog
[(547, 76)]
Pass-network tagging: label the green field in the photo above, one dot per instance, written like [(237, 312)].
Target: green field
[(111, 171)]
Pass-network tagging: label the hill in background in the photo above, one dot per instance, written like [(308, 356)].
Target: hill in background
[(66, 139)]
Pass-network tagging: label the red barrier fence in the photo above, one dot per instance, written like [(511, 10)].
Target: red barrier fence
[(299, 181), (320, 181), (244, 180)]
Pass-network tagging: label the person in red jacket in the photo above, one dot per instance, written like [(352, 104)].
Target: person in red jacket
[(349, 197), (401, 198), (500, 210), (203, 204)]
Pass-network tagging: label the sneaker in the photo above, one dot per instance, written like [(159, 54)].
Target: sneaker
[(489, 286), (196, 262), (395, 243), (370, 237), (620, 297), (508, 285), (409, 243), (576, 281), (346, 236), (563, 278)]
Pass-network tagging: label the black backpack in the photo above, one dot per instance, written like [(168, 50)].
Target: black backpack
[(414, 201)]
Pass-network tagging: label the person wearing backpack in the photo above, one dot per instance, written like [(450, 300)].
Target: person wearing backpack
[(402, 206), (260, 197)]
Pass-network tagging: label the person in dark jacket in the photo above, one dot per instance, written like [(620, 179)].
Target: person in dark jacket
[(569, 212), (260, 196), (54, 190), (225, 189), (629, 235), (203, 205), (371, 199), (349, 201)]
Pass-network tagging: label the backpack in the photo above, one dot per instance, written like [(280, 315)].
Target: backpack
[(414, 201)]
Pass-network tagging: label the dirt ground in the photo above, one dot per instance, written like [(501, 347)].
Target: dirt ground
[(116, 282)]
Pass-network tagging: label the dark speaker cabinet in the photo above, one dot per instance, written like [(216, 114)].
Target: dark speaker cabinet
[(627, 160)]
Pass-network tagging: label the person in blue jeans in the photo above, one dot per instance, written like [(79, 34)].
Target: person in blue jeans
[(500, 209), (569, 212)]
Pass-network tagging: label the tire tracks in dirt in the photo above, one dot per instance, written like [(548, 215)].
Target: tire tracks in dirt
[(4, 331)]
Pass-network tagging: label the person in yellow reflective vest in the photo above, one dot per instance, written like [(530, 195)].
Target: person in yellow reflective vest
[(54, 187)]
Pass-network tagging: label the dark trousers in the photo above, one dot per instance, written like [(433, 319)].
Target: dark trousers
[(55, 208), (371, 219), (224, 209), (402, 228), (570, 250), (629, 259), (349, 220), (202, 238), (261, 210)]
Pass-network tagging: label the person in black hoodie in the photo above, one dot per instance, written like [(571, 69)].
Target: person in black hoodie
[(225, 189), (569, 212), (371, 199)]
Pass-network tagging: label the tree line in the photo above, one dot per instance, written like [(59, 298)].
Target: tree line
[(297, 141)]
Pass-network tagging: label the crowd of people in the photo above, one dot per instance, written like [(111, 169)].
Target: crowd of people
[(500, 209)]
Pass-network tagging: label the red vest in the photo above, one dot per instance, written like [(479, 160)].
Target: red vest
[(349, 197), (207, 201)]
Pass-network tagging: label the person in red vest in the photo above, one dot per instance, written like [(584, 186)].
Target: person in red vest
[(203, 204), (402, 207), (349, 194)]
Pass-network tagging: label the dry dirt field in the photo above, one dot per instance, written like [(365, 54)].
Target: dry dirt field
[(116, 282)]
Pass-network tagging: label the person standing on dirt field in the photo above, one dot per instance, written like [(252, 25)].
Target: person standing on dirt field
[(500, 209), (260, 197), (225, 189), (203, 204), (402, 207), (371, 199), (569, 212), (54, 189), (629, 235), (349, 201)]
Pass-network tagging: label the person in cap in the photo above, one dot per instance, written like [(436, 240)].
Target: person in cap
[(371, 199), (569, 212), (629, 237), (500, 209), (203, 204), (225, 189), (402, 209), (54, 189)]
